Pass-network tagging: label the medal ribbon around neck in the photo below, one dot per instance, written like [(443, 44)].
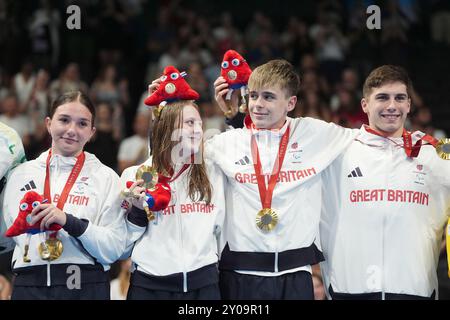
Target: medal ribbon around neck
[(69, 183), (266, 194), (412, 151), (183, 169)]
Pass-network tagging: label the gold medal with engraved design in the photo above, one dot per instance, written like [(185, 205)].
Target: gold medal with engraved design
[(443, 148), (51, 249), (229, 113), (149, 175), (266, 219)]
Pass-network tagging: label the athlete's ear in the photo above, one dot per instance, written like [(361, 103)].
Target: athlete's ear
[(364, 105), (291, 103), (48, 123)]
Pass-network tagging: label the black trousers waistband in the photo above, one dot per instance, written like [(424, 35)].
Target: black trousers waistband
[(265, 261), (195, 279), (59, 274), (377, 296)]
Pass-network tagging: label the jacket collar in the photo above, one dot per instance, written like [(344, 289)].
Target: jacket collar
[(369, 138), (61, 161), (249, 125)]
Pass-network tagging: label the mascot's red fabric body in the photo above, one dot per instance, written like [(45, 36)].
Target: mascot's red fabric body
[(235, 69), (173, 87), (30, 200)]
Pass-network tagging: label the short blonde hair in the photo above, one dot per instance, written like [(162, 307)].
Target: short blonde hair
[(275, 73)]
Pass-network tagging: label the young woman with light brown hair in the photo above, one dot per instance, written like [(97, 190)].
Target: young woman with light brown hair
[(175, 255)]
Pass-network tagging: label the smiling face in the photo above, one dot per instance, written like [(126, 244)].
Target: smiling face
[(191, 129), (268, 107), (273, 87), (70, 128), (387, 107)]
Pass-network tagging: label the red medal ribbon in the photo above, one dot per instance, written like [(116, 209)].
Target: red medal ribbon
[(266, 194), (69, 183), (412, 151), (183, 169)]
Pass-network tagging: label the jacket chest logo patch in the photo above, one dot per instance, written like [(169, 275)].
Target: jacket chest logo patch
[(419, 175), (295, 153)]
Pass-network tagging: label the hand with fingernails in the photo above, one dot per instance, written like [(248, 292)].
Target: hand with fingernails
[(221, 88)]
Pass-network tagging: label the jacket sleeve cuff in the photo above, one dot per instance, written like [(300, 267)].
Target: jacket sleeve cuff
[(137, 217), (75, 226), (237, 121)]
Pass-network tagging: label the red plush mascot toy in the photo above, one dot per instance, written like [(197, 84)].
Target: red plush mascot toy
[(172, 87), (236, 72), (21, 224)]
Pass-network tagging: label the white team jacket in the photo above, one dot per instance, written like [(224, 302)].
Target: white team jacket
[(383, 217), (183, 237), (313, 145), (11, 154), (94, 196)]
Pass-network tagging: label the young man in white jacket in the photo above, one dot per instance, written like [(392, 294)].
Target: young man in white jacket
[(273, 167), (11, 154), (386, 200)]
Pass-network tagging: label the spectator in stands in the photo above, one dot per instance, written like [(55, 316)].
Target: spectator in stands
[(106, 138), (23, 85), (11, 117), (134, 150), (69, 80), (421, 120)]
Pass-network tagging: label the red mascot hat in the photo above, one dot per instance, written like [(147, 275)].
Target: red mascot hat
[(172, 88)]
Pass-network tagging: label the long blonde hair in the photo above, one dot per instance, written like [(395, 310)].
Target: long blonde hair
[(170, 119)]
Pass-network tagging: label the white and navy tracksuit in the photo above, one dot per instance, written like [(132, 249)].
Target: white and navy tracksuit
[(382, 220), (175, 256), (11, 154), (93, 237), (274, 256)]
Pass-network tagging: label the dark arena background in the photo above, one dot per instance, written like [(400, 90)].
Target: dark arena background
[(113, 49)]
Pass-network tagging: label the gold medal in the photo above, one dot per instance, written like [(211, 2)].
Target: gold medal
[(44, 251), (149, 175), (443, 148), (157, 111), (230, 112), (448, 246), (51, 249), (150, 214), (266, 219), (243, 108)]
